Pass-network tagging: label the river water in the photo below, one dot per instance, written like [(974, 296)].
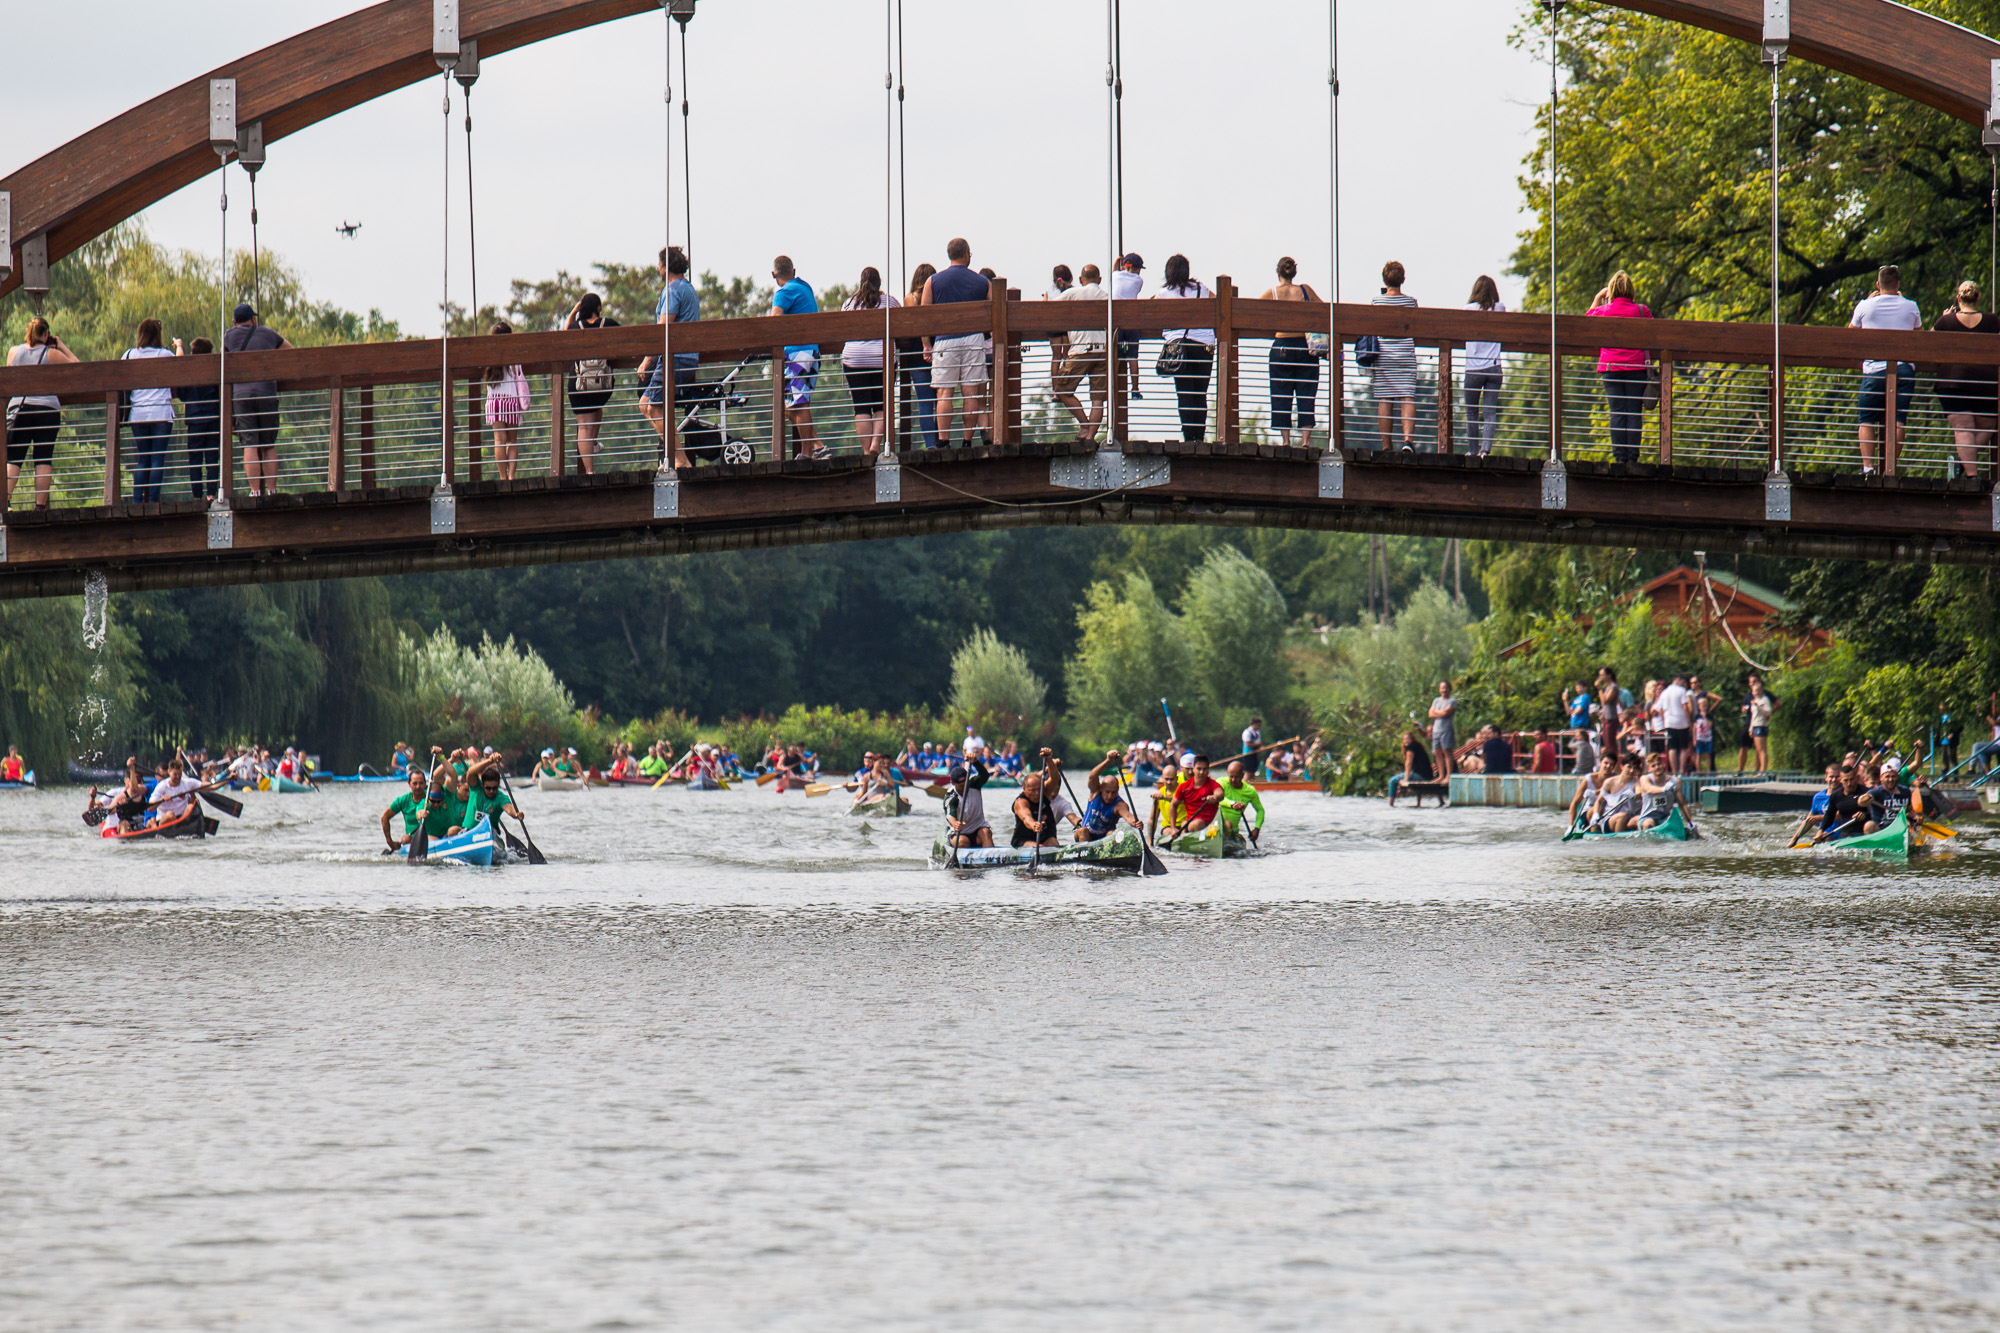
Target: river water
[(737, 1061)]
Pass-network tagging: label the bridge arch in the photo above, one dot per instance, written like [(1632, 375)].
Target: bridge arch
[(110, 173)]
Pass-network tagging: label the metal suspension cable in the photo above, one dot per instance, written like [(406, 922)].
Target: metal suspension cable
[(1111, 226), (889, 369), (1555, 105), (471, 217), (1118, 105), (444, 305), (256, 255), (1334, 353), (667, 237), (687, 159), (903, 153), (1777, 329), (225, 416)]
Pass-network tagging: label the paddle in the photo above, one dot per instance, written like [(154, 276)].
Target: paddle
[(937, 791), (1041, 800), (818, 788), (227, 804), (535, 857), (762, 778), (1149, 861)]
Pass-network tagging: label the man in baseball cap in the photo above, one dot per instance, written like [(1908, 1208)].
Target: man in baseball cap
[(1125, 286)]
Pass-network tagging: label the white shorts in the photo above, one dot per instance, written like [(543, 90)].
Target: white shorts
[(956, 365)]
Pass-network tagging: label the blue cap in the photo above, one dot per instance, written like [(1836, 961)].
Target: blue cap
[(243, 312), (958, 772)]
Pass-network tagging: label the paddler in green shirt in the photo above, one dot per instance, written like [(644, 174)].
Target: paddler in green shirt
[(652, 765), (483, 795), (417, 807), (1237, 795)]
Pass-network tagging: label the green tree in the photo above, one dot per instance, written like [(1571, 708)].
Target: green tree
[(1131, 652), (1665, 172), (1234, 619), (993, 687)]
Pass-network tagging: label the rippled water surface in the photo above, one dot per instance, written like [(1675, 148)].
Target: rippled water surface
[(738, 1061)]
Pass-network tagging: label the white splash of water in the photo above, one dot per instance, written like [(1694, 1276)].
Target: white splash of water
[(93, 714)]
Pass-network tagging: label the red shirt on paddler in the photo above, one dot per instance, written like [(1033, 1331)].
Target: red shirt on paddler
[(1201, 800)]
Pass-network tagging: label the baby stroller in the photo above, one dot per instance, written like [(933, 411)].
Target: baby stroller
[(711, 442)]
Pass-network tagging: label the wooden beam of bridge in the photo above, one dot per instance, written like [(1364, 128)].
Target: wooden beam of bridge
[(106, 175), (611, 516), (1671, 502)]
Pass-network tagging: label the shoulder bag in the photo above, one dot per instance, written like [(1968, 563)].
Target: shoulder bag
[(1367, 351), (1174, 357)]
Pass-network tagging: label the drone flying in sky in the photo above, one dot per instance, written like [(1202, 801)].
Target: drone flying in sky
[(348, 229)]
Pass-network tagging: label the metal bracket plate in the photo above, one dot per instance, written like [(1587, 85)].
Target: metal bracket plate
[(888, 480), (3, 543), (666, 495), (1332, 476), (1996, 510), (1555, 485), (221, 527), (444, 512), (1777, 498), (1109, 470)]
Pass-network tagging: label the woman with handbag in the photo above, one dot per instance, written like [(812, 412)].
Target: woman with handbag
[(1623, 370), (506, 400), (33, 421), (1189, 356), (1395, 376), (590, 383), (1294, 364)]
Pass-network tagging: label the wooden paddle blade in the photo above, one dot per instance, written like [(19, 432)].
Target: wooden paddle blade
[(763, 778), (937, 792), (818, 788), (1939, 830)]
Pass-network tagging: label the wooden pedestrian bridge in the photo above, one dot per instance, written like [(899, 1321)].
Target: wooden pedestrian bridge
[(363, 449), (386, 465)]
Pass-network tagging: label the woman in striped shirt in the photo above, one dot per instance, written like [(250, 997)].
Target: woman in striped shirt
[(1396, 368)]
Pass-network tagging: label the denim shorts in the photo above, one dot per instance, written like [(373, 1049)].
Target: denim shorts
[(1875, 388)]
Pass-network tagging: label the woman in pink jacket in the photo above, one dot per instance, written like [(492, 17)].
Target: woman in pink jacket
[(1623, 370)]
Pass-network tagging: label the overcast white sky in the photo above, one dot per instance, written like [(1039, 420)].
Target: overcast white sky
[(1225, 140)]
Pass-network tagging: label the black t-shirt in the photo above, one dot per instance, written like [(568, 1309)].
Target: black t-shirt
[(1420, 762), (1498, 754), (252, 338), (1841, 808)]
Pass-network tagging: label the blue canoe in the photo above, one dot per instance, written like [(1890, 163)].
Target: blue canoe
[(474, 847), (26, 783), (359, 777)]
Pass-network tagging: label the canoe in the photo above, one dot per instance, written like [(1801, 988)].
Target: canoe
[(27, 783), (362, 777), (1895, 842), (706, 784), (279, 784), (1121, 851), (192, 824), (474, 847), (785, 784), (1287, 786), (1213, 842), (559, 784), (883, 807), (1675, 829)]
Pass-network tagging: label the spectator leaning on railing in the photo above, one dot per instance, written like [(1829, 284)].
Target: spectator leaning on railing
[(1189, 355), (1888, 308), (34, 421), (1083, 358), (1623, 370), (1395, 377), (254, 403), (794, 296), (958, 361), (1966, 393), (1294, 368)]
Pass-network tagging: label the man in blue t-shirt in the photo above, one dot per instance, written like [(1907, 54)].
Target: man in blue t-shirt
[(794, 296), (679, 304), (958, 361)]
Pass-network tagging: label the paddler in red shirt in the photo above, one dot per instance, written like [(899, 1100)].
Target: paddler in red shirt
[(11, 767), (1196, 801)]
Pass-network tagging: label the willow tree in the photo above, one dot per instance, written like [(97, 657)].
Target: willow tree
[(1665, 172)]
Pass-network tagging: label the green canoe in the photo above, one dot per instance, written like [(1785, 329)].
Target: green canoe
[(884, 807), (1675, 829), (1895, 842), (1121, 851), (1211, 842)]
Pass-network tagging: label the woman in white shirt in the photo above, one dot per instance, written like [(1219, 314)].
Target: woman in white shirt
[(1482, 374), (151, 417), (34, 420), (1197, 350), (861, 363)]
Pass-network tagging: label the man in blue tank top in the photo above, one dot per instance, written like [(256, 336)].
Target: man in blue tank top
[(958, 363)]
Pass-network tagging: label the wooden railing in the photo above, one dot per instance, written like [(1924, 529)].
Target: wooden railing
[(363, 368)]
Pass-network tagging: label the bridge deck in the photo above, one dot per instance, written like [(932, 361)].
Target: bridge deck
[(362, 448)]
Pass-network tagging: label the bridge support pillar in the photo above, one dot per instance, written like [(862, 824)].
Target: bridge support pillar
[(444, 511), (1555, 485), (221, 525), (1777, 498)]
